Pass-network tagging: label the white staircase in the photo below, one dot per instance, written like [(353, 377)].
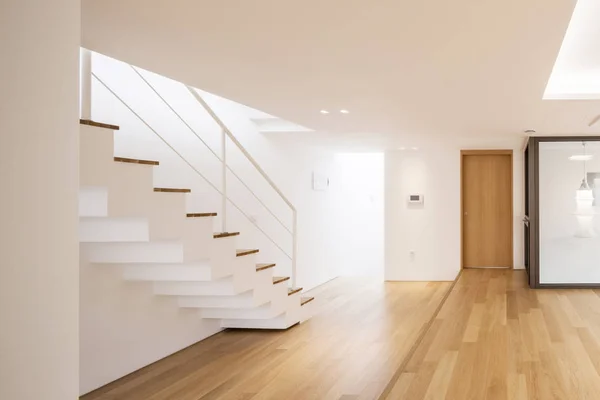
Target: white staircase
[(126, 222)]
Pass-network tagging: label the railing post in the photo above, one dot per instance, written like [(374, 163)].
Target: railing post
[(86, 84), (224, 181), (294, 247)]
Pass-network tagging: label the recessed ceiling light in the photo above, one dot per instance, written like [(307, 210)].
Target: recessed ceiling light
[(345, 111), (414, 148), (402, 148), (324, 112), (530, 131), (582, 157)]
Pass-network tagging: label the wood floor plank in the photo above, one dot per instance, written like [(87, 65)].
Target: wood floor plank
[(400, 388), (516, 343), (517, 387), (441, 377)]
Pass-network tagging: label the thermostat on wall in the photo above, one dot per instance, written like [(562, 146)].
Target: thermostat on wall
[(415, 198)]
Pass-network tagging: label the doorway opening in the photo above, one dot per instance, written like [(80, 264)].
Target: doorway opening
[(360, 185)]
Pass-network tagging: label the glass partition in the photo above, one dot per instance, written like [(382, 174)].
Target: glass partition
[(568, 185)]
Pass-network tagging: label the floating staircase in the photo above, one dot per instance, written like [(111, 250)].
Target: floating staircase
[(145, 230)]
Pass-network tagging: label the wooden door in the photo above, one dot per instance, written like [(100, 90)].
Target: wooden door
[(487, 213)]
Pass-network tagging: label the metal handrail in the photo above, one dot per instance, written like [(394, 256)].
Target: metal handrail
[(226, 133), (230, 135), (186, 161), (239, 146), (210, 149)]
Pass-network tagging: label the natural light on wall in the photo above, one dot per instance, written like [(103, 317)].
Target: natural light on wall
[(576, 73)]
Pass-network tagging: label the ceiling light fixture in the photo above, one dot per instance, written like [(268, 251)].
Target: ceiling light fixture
[(414, 148), (324, 112), (582, 157), (585, 204), (530, 131), (402, 148), (345, 111)]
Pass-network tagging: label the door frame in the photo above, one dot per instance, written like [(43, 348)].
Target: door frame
[(501, 152)]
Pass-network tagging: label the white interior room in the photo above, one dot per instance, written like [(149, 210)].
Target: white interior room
[(357, 113)]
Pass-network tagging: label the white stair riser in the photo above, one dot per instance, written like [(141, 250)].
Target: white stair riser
[(261, 294), (122, 253), (168, 214), (196, 232), (222, 287), (277, 306), (266, 311), (113, 229), (264, 290), (199, 243), (244, 300), (168, 272), (281, 321), (131, 192), (294, 309), (241, 281), (307, 311), (165, 252), (96, 148)]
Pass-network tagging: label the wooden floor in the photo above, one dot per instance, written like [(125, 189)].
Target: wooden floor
[(350, 350), (493, 338), (496, 339)]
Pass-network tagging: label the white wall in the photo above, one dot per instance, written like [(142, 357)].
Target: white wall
[(39, 174), (565, 258), (359, 189), (432, 231)]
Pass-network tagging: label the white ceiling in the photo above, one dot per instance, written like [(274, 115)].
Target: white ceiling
[(402, 68)]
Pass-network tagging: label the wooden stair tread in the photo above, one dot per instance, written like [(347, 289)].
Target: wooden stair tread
[(240, 253), (279, 279), (172, 190), (218, 235), (201, 215), (262, 267), (305, 300), (292, 291), (135, 161), (98, 124)]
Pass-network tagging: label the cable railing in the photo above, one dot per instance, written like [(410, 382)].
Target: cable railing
[(225, 167)]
